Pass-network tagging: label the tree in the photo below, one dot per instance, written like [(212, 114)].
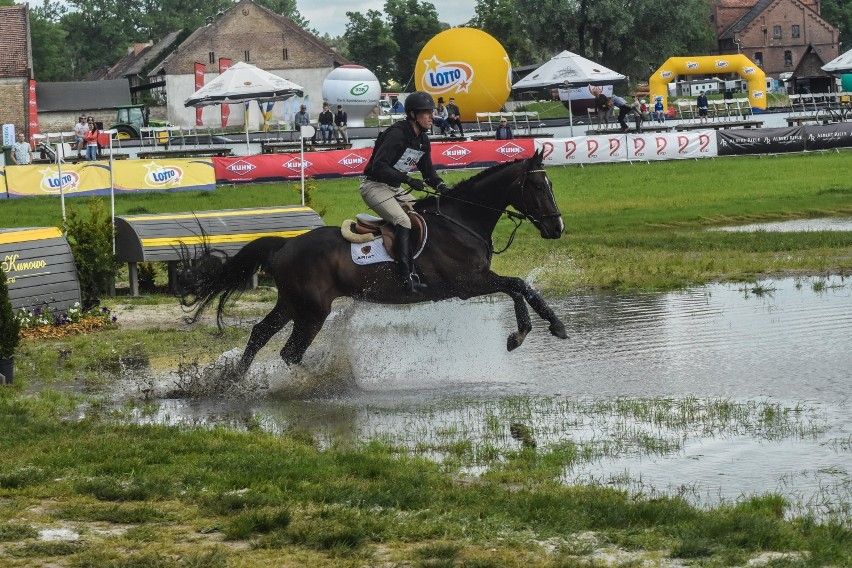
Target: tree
[(412, 24), (500, 19), (285, 8), (838, 13), (48, 40), (370, 43)]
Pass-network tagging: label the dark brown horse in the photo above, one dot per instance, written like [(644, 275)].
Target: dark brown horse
[(313, 269)]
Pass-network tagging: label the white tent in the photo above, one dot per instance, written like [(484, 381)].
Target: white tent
[(243, 82), (566, 69), (571, 68), (840, 64)]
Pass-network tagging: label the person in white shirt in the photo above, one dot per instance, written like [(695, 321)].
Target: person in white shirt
[(21, 151)]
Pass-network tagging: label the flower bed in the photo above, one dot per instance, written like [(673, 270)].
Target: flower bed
[(48, 323)]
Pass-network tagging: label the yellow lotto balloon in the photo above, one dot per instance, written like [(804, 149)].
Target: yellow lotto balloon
[(468, 65)]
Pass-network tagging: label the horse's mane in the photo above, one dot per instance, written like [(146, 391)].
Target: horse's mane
[(470, 182)]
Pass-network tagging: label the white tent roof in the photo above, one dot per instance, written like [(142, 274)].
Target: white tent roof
[(840, 64), (570, 67), (243, 82)]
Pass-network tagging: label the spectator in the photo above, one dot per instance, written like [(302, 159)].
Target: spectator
[(623, 110), (639, 116), (659, 110), (21, 151), (91, 138), (340, 125), (80, 130), (601, 108), (454, 118), (396, 106), (504, 131), (439, 116), (326, 124), (302, 117), (702, 107)]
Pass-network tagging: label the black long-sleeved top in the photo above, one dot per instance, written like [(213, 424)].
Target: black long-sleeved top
[(326, 117), (398, 150)]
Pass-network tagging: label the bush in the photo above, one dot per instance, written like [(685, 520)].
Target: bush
[(90, 238), (10, 329)]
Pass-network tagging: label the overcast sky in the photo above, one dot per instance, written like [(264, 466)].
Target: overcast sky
[(329, 16)]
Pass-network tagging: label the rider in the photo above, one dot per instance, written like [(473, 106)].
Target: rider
[(399, 149)]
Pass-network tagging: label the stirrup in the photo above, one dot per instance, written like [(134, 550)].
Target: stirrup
[(413, 283)]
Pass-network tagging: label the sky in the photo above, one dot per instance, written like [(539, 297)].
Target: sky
[(329, 16)]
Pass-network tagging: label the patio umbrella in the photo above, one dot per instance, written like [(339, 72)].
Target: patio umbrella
[(841, 64), (244, 82), (566, 69)]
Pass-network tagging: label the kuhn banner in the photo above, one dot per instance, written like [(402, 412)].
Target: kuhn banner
[(341, 163)]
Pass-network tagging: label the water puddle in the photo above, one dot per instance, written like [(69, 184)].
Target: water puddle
[(795, 226), (714, 393)]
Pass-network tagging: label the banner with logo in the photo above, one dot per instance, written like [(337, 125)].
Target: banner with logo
[(224, 65), (761, 141), (828, 136), (86, 178), (32, 112), (164, 175), (199, 82), (339, 163), (627, 147)]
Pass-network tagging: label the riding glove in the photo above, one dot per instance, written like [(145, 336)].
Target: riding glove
[(415, 183), (442, 188)]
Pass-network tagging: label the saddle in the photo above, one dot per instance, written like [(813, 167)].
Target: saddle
[(369, 228)]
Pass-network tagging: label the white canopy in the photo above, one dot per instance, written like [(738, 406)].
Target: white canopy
[(840, 64), (243, 82), (570, 67)]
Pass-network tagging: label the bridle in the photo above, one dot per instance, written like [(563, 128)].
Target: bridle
[(516, 217)]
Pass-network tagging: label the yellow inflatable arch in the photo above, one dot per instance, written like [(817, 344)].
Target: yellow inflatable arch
[(710, 65)]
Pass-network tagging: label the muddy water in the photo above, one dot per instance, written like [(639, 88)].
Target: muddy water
[(777, 353)]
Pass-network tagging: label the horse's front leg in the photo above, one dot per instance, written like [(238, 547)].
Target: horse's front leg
[(522, 315), (557, 328)]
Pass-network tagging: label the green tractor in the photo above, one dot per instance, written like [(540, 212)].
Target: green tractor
[(130, 119)]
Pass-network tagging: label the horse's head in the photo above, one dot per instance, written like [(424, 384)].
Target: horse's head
[(536, 200)]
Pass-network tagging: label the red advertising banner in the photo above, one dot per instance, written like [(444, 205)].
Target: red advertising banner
[(224, 64), (32, 112), (340, 163), (199, 82)]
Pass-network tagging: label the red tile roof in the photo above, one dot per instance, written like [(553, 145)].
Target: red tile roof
[(14, 41)]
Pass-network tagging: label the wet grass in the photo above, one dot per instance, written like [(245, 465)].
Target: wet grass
[(149, 495)]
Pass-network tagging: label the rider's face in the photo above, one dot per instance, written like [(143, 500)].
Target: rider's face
[(424, 119)]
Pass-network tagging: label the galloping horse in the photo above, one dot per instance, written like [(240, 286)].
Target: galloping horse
[(313, 269)]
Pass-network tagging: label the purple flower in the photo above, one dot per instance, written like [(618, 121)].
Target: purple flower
[(114, 319), (37, 311)]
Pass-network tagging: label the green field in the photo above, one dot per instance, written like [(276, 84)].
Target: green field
[(628, 226), (126, 494)]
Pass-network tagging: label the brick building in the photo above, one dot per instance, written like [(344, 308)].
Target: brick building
[(775, 34), (254, 34), (16, 64)]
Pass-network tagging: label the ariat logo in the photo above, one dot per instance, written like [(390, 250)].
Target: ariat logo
[(296, 164), (510, 149), (241, 167), (352, 161), (162, 176), (51, 183), (443, 77), (456, 152)]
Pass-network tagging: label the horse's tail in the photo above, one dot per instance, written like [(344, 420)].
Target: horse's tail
[(202, 279)]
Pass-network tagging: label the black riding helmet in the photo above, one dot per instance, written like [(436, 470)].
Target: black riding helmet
[(417, 101)]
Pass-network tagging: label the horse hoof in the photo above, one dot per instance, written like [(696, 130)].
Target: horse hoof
[(558, 330), (514, 341)]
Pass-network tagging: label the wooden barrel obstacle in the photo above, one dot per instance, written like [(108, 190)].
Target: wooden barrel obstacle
[(158, 238), (40, 269)]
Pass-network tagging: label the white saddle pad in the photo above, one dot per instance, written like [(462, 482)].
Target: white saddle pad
[(370, 252)]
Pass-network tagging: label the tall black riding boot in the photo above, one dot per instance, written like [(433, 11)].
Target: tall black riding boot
[(402, 248)]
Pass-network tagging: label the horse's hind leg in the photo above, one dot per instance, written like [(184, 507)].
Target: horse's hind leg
[(305, 329), (261, 333)]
